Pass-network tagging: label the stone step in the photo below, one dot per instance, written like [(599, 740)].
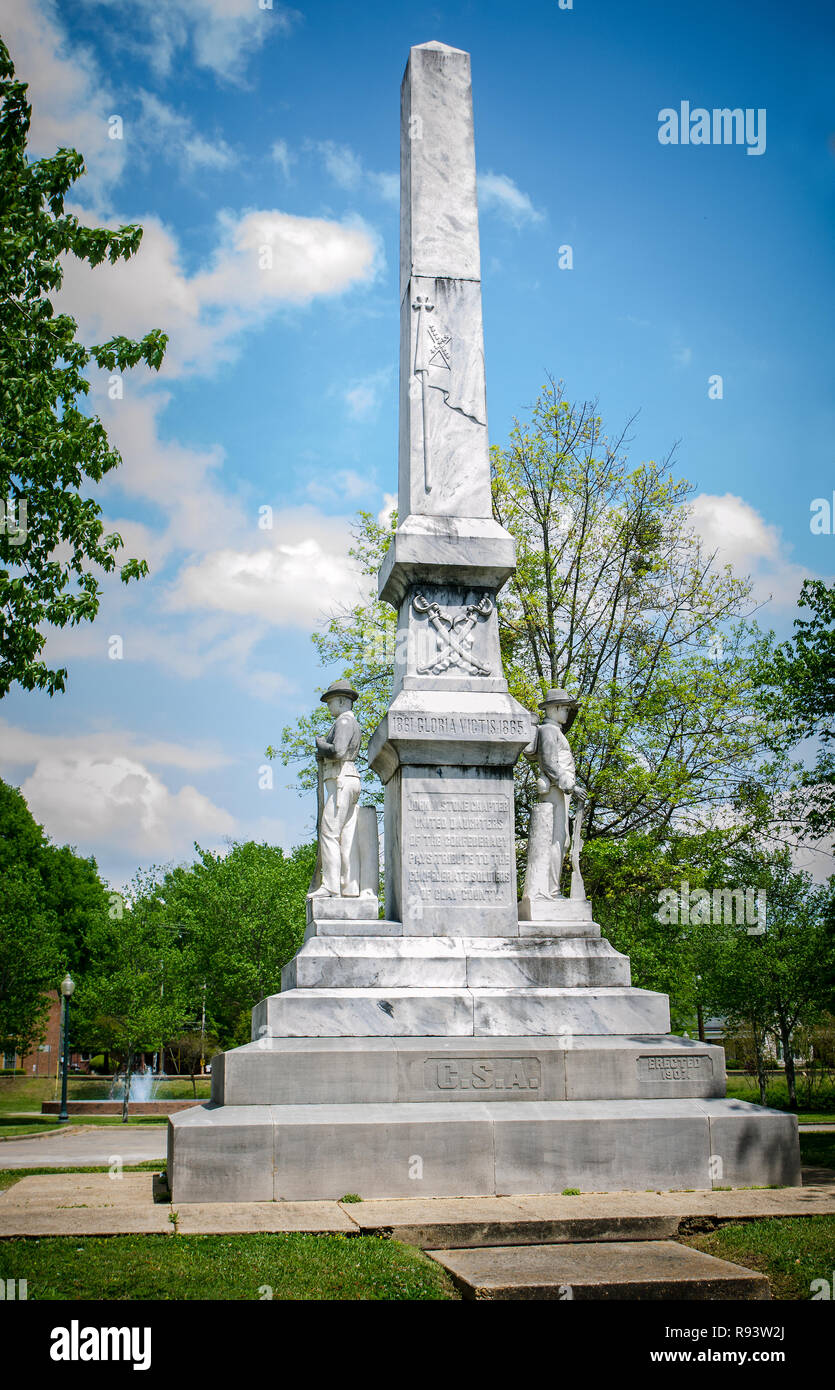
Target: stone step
[(362, 1013), (314, 1071), (654, 1270), (576, 925), (451, 1223), (260, 1153), (373, 962)]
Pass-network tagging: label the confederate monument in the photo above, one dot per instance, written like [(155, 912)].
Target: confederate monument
[(464, 1044)]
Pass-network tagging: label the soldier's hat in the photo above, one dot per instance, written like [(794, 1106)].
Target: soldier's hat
[(562, 697), (559, 697), (339, 688)]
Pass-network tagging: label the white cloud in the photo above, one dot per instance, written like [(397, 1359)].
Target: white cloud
[(744, 539), (174, 135), (304, 572), (262, 260), (117, 803), (217, 34), (363, 397), (498, 193), (683, 356), (387, 186), (19, 746), (347, 170), (283, 156), (70, 98), (388, 508), (346, 485)]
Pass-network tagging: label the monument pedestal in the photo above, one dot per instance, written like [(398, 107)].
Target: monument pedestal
[(462, 1046), (394, 1066)]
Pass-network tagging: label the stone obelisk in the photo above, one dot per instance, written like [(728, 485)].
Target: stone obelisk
[(447, 746), (450, 1048)]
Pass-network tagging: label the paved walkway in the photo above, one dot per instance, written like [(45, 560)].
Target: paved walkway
[(85, 1146), (98, 1204)]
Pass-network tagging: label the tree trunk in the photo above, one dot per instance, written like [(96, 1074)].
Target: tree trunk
[(126, 1098), (762, 1078), (788, 1064)]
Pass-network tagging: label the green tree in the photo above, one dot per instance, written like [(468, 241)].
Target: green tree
[(781, 979), (49, 899), (359, 641), (237, 919), (797, 679), (52, 540), (136, 995), (614, 597)]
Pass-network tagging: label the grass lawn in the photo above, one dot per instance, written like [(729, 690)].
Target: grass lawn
[(293, 1266), (816, 1106), (12, 1127), (791, 1250), (26, 1093), (818, 1150)]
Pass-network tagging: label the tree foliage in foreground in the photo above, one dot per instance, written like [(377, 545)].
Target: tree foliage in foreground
[(49, 900), (616, 598), (798, 685), (782, 979), (52, 542), (231, 921)]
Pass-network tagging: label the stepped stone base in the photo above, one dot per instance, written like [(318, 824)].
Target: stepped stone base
[(317, 1071), (374, 962), (415, 1012), (302, 1152)]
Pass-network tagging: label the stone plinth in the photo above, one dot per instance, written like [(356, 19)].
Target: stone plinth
[(316, 1071), (291, 1152)]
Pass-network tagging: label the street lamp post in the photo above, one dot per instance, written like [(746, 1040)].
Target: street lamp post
[(67, 987)]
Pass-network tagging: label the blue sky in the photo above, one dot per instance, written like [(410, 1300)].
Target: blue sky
[(244, 126)]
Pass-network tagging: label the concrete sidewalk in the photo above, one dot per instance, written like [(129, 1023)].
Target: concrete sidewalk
[(85, 1147), (96, 1204)]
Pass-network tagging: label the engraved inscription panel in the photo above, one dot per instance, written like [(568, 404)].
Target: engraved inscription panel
[(459, 847), (695, 1067), (482, 1074), (492, 726)]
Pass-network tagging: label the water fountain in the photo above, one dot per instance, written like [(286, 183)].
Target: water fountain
[(146, 1096)]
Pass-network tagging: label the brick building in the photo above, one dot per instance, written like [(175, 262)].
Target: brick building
[(45, 1060)]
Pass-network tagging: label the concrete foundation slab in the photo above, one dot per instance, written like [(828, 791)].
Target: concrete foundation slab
[(612, 1270)]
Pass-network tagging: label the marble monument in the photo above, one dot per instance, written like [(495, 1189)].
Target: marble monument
[(463, 1043)]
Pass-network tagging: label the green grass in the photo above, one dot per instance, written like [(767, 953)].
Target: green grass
[(26, 1093), (818, 1150), (816, 1106), (294, 1266), (791, 1250), (12, 1127)]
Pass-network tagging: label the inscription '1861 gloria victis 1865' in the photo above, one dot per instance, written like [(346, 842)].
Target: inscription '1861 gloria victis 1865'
[(463, 1043)]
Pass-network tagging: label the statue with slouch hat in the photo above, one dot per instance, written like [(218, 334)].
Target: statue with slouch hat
[(550, 835), (347, 866)]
